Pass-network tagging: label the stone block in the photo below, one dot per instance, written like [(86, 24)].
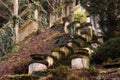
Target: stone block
[(56, 54), (65, 50), (36, 67), (50, 61), (80, 62)]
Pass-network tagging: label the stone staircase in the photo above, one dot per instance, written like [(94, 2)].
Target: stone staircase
[(76, 52)]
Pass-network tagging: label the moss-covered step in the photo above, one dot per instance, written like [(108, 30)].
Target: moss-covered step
[(39, 56), (45, 57)]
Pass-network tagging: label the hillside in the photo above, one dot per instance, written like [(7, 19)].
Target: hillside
[(41, 43)]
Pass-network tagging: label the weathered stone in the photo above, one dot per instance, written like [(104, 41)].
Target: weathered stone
[(82, 41), (90, 51), (82, 52), (78, 32), (73, 44), (27, 29), (80, 62), (94, 45), (100, 40), (36, 67), (36, 14), (50, 61), (65, 27), (70, 44), (56, 54), (39, 56), (65, 50)]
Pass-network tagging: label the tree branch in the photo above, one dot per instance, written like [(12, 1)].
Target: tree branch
[(24, 12), (50, 5), (6, 6), (4, 17)]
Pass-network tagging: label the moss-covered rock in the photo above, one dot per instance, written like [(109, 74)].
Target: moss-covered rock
[(19, 77), (112, 63), (39, 56)]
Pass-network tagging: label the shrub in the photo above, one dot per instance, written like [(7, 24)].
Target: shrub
[(59, 73), (109, 49), (80, 17), (6, 40)]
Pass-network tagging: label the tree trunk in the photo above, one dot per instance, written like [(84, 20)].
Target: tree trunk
[(15, 6), (36, 14), (71, 10)]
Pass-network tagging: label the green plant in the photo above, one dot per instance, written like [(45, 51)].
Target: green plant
[(80, 17), (43, 22), (35, 5), (15, 18), (93, 71), (6, 40), (109, 49), (73, 77), (58, 72)]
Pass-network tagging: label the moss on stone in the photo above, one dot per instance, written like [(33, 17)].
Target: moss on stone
[(19, 77)]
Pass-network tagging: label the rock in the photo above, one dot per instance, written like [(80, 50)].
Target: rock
[(90, 51), (73, 44), (50, 61), (36, 67), (65, 50), (56, 54), (65, 27), (80, 62)]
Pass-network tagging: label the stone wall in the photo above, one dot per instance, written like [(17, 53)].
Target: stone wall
[(27, 29)]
